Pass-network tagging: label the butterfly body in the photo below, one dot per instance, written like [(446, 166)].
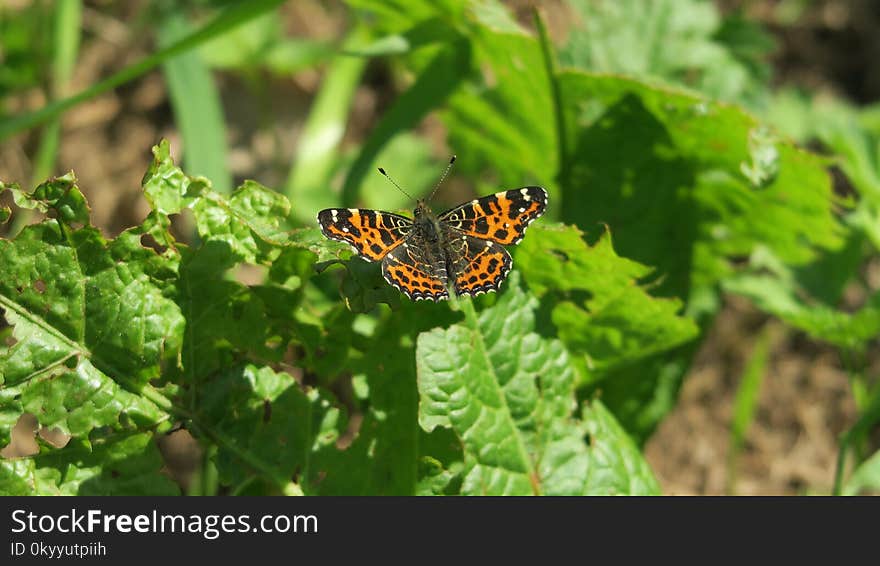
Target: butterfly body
[(426, 256)]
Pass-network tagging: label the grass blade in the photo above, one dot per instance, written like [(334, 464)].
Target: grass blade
[(236, 15), (317, 148), (197, 109), (436, 82), (746, 401), (65, 45)]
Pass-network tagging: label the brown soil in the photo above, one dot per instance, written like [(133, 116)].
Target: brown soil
[(791, 447)]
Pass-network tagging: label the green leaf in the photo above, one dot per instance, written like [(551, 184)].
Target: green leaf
[(663, 169), (92, 323), (252, 221), (746, 399), (853, 135), (866, 478), (494, 124), (774, 289), (508, 395), (112, 465), (616, 465), (60, 196), (682, 41), (261, 43), (265, 422), (619, 322)]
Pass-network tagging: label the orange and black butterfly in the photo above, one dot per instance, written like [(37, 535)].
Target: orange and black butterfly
[(459, 249)]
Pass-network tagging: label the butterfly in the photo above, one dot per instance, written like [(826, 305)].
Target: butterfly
[(461, 249)]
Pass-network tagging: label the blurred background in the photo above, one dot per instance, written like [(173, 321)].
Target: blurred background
[(270, 100)]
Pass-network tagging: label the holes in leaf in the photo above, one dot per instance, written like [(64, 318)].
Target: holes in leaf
[(55, 437), (182, 223), (40, 286), (22, 441), (149, 242), (6, 333), (250, 275), (182, 455), (588, 439)]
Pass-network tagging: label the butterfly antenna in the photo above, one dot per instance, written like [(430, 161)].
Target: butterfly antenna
[(442, 177), (393, 182)]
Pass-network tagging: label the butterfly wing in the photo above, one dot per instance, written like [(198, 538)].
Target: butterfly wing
[(418, 278), (372, 233), (480, 265), (501, 218)]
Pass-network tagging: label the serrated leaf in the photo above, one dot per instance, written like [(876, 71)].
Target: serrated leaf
[(386, 454), (663, 172), (252, 221), (60, 195), (267, 424), (92, 326), (127, 464), (618, 322), (509, 396)]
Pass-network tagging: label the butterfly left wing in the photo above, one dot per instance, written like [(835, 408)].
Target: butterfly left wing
[(372, 233), (502, 217), (480, 266)]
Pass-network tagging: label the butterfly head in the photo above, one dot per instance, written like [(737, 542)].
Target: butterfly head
[(422, 210)]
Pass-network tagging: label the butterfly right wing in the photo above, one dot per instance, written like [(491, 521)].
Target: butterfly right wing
[(502, 217), (480, 265), (417, 279), (371, 233)]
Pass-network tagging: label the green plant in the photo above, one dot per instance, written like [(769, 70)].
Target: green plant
[(320, 378)]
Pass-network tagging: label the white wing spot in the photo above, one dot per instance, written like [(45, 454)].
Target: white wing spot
[(522, 209), (334, 214), (488, 244), (506, 225), (474, 201), (345, 228), (353, 210)]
